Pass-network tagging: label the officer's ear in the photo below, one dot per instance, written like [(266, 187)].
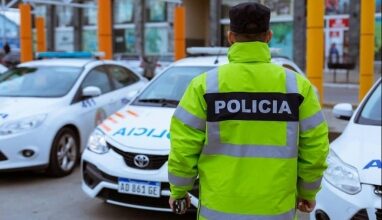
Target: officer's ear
[(268, 36), (231, 37)]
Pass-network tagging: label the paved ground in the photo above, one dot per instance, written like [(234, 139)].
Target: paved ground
[(33, 196)]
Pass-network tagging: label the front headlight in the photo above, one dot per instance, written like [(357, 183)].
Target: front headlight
[(342, 175), (22, 124), (97, 142)]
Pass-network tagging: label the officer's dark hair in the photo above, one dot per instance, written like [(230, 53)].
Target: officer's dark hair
[(243, 37), (249, 21)]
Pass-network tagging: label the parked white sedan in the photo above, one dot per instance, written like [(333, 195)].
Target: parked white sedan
[(48, 109), (125, 162)]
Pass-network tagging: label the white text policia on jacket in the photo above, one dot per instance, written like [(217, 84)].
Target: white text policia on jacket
[(253, 106)]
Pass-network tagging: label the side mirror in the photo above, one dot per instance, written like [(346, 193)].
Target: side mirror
[(343, 111), (91, 91)]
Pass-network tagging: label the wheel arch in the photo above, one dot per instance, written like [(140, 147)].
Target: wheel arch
[(76, 131)]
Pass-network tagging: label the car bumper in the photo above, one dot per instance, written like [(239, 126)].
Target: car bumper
[(335, 204), (14, 149), (100, 175)]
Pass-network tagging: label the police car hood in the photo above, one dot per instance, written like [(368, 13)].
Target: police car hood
[(140, 129), (13, 108), (360, 147)]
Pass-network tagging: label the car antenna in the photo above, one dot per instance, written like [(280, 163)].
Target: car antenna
[(217, 57)]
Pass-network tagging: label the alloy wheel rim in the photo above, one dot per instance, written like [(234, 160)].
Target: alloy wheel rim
[(66, 152)]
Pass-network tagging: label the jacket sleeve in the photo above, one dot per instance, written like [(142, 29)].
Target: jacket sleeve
[(313, 145), (187, 135)]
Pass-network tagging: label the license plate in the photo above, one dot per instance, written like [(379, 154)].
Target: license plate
[(139, 187)]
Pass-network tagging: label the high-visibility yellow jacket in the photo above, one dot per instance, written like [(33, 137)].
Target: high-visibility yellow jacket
[(253, 133)]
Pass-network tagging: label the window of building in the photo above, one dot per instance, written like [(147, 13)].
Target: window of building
[(155, 11), (89, 39), (64, 16), (156, 40), (90, 14), (123, 11)]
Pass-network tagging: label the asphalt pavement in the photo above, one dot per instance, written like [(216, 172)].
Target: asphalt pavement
[(35, 196)]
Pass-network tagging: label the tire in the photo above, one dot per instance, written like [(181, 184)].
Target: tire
[(64, 153)]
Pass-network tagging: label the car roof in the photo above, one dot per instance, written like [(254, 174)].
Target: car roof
[(222, 59), (202, 61), (59, 62)]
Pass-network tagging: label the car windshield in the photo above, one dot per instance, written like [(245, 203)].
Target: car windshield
[(371, 110), (43, 81), (168, 88)]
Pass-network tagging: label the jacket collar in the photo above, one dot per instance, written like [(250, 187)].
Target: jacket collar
[(247, 52)]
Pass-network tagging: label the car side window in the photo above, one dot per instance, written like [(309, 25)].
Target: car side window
[(121, 76), (98, 77)]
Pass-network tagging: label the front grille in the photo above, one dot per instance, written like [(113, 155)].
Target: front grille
[(2, 156), (378, 190), (360, 215), (156, 161)]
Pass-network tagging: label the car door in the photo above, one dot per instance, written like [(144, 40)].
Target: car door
[(125, 83), (93, 110)]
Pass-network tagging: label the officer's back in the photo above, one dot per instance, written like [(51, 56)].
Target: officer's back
[(252, 131)]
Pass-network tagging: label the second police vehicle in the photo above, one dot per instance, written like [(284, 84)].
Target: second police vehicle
[(48, 109), (352, 184), (125, 162)]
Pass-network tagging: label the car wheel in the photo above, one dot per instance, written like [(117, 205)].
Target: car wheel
[(64, 153)]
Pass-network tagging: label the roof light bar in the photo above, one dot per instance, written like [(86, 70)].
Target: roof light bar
[(76, 54), (207, 50)]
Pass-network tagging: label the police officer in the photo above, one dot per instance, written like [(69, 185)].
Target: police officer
[(251, 131)]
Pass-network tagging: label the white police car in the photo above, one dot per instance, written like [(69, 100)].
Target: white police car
[(125, 162), (352, 185), (48, 109)]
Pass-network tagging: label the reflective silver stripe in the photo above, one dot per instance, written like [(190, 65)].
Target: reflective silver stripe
[(292, 134), (212, 215), (291, 81), (190, 119), (312, 121), (180, 181), (215, 146), (310, 185), (212, 82)]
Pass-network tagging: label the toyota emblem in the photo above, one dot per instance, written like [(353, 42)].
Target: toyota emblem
[(141, 161)]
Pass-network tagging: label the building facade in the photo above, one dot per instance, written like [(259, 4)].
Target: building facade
[(207, 23)]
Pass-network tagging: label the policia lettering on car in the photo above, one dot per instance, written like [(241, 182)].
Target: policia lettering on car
[(252, 106)]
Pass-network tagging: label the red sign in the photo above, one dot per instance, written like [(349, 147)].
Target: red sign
[(339, 23)]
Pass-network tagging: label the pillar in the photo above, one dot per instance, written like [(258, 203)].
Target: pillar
[(26, 52), (179, 32), (315, 44), (366, 55), (105, 25)]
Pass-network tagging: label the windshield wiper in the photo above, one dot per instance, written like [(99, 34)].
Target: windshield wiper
[(162, 101)]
